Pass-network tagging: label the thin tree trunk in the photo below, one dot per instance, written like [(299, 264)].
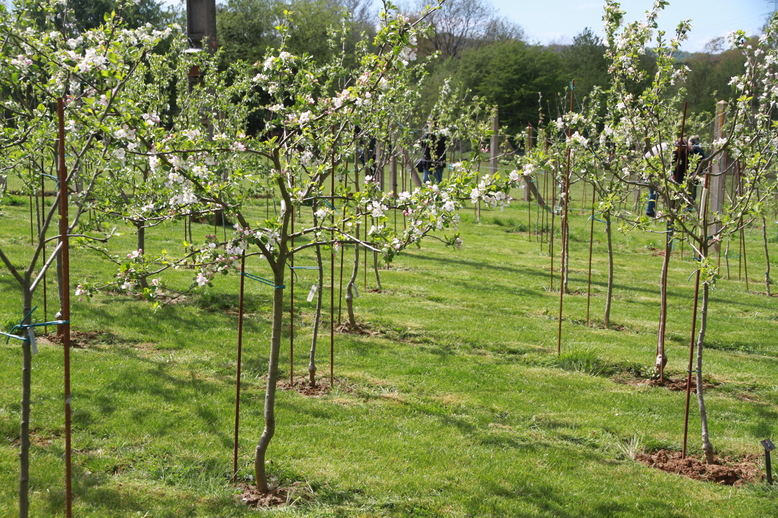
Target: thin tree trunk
[(726, 257), (144, 283), (350, 289), (272, 379), (316, 320), (375, 269), (661, 357), (24, 434), (767, 280), (707, 447), (609, 295)]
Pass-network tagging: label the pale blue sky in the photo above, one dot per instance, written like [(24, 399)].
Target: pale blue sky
[(549, 21), (560, 20)]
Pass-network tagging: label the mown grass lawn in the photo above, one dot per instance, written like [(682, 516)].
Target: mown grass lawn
[(455, 404)]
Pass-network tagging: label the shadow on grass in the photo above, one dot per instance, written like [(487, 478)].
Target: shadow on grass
[(765, 426), (99, 494), (143, 320)]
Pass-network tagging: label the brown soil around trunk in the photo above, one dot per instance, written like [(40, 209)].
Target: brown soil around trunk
[(679, 384), (675, 385), (302, 386), (276, 497), (727, 471)]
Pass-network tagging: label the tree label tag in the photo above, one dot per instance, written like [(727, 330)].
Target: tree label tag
[(768, 445), (312, 293), (33, 343)]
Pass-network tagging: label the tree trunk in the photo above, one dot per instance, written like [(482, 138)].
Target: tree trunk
[(707, 447), (144, 283), (375, 269), (316, 320), (767, 280), (609, 294), (350, 289), (24, 434), (272, 378), (661, 357)]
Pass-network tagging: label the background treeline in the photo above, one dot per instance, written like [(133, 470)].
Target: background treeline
[(476, 48)]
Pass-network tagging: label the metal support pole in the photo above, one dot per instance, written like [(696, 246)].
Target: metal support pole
[(65, 309)]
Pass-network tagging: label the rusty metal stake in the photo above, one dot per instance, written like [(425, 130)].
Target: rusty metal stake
[(238, 374), (65, 310)]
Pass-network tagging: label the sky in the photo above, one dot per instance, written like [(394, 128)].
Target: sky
[(558, 21)]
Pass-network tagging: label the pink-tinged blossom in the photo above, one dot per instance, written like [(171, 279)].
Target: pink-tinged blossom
[(202, 280)]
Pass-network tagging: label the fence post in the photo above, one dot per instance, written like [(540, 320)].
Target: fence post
[(494, 146), (719, 172), (527, 149), (393, 172)]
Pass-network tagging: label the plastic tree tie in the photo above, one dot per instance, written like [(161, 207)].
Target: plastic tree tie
[(263, 281), (595, 219), (42, 324), (9, 336), (51, 177), (19, 326)]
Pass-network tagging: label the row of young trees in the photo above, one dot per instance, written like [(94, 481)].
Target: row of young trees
[(625, 139), (155, 132)]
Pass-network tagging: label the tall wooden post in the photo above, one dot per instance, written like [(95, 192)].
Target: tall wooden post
[(719, 171), (527, 149), (494, 145), (393, 173), (201, 23)]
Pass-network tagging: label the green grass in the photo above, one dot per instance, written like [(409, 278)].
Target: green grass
[(456, 405)]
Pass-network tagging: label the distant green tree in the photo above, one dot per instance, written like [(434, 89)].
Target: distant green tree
[(513, 75), (89, 14), (247, 28), (584, 62), (709, 76)]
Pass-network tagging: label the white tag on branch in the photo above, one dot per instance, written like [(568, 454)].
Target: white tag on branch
[(31, 336), (312, 293), (356, 293)]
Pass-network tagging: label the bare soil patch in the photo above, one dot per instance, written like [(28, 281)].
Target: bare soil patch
[(359, 329), (675, 385), (727, 471), (81, 339), (302, 386), (678, 385), (276, 497)]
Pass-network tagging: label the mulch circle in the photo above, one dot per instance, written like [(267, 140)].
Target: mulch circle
[(303, 387), (679, 384), (78, 339), (277, 497), (360, 329), (726, 471)]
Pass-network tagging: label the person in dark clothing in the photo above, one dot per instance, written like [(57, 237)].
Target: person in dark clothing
[(433, 159), (683, 155)]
